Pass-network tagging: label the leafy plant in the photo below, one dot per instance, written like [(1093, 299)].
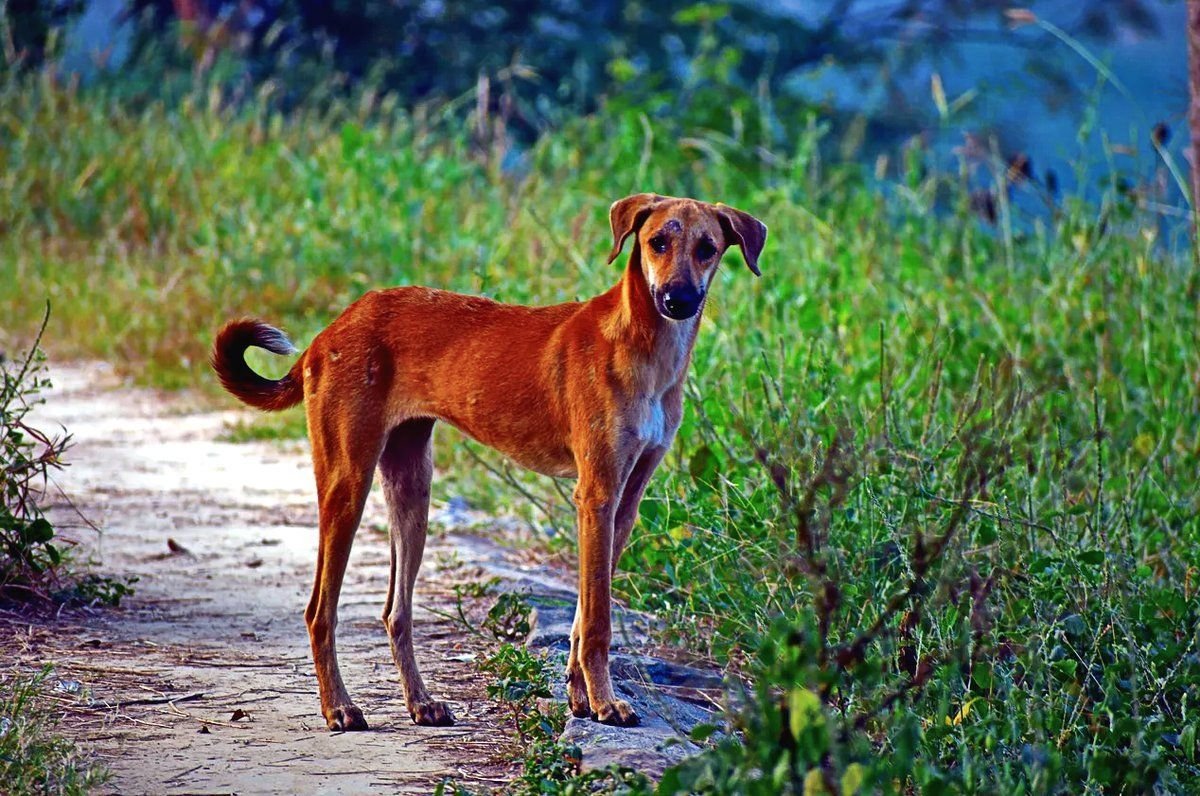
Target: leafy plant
[(508, 618), (522, 678), (836, 674), (521, 682), (32, 557), (29, 556)]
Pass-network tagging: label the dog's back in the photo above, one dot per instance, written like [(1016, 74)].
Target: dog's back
[(411, 352), (465, 360)]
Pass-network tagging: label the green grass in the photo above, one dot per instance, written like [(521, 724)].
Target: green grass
[(286, 425), (33, 758), (1058, 351)]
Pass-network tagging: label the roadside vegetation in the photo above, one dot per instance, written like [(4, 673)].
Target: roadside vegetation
[(38, 572), (38, 567), (520, 681), (933, 504), (34, 758)]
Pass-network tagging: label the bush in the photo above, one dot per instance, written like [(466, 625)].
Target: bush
[(32, 557)]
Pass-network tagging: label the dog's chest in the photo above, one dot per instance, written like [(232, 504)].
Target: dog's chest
[(655, 422), (656, 416)]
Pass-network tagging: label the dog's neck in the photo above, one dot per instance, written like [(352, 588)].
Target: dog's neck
[(665, 345)]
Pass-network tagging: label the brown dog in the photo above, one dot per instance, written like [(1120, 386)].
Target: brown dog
[(589, 390)]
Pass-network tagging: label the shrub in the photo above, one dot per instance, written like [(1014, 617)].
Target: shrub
[(32, 557)]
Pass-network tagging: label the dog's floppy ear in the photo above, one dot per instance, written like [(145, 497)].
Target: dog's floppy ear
[(626, 217), (743, 229)]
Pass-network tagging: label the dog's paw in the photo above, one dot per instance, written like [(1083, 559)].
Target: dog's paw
[(577, 697), (618, 713), (432, 714), (580, 706), (345, 719)]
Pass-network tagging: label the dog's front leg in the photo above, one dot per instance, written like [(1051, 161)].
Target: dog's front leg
[(596, 499)]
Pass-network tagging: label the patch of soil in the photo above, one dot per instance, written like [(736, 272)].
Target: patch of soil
[(202, 682)]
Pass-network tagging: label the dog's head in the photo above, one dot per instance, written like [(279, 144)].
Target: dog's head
[(680, 242)]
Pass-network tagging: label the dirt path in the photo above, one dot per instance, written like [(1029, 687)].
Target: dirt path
[(202, 682)]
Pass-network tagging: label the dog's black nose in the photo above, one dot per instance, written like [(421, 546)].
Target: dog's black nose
[(680, 302)]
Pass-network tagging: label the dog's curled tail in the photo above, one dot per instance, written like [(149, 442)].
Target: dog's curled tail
[(229, 361)]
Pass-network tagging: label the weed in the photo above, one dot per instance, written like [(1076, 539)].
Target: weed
[(521, 683), (33, 560), (508, 619), (33, 760)]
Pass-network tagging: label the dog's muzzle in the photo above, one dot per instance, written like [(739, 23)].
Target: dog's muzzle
[(678, 302)]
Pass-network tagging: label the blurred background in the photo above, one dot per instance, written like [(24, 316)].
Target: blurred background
[(959, 73)]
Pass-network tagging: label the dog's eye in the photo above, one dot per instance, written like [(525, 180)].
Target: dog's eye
[(705, 250), (659, 243)]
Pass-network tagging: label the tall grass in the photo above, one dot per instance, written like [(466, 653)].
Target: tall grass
[(889, 317)]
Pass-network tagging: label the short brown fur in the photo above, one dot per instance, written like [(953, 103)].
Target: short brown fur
[(590, 390)]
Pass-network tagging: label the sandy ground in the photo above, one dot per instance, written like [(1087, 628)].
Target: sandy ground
[(201, 682)]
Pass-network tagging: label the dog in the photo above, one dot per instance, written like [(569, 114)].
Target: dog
[(590, 390)]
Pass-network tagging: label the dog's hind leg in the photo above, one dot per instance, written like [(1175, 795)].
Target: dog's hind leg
[(406, 469), (344, 467)]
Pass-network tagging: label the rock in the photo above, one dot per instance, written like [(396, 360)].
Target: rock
[(668, 697), (661, 740), (643, 668), (553, 615), (652, 747), (550, 628)]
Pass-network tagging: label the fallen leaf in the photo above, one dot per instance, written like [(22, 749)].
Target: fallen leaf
[(239, 714), (254, 563)]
